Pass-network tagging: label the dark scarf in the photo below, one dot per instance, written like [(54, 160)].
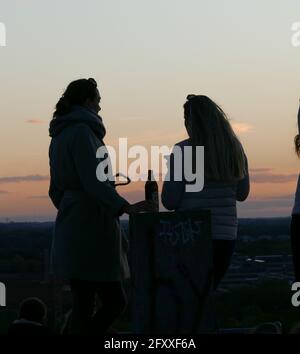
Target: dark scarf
[(78, 114)]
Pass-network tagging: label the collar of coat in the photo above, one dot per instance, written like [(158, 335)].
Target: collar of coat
[(78, 114)]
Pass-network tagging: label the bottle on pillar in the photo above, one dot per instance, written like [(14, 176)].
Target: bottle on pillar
[(151, 190)]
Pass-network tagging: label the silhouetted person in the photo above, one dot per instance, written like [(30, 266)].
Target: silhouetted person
[(295, 222), (226, 178), (268, 328), (87, 242), (295, 329), (32, 319)]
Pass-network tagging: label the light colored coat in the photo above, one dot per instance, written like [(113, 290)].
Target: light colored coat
[(218, 197), (87, 239)]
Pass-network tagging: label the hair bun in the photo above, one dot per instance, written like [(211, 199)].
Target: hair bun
[(93, 81), (190, 97)]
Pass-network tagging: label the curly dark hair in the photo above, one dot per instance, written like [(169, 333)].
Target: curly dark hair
[(77, 92)]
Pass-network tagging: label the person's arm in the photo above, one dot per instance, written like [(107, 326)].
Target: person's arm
[(243, 186), (172, 190), (55, 194), (299, 120), (83, 151)]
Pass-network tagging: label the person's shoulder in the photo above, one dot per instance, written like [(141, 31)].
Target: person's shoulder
[(81, 128), (81, 133)]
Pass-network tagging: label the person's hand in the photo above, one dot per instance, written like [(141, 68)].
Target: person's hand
[(144, 205)]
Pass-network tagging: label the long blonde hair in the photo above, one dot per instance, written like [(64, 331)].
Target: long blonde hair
[(297, 144), (208, 126)]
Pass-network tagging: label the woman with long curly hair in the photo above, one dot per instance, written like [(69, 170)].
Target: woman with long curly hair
[(88, 245)]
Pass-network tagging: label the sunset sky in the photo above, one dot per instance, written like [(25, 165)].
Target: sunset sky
[(147, 56)]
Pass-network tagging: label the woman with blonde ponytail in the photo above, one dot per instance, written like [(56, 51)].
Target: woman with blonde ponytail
[(226, 178)]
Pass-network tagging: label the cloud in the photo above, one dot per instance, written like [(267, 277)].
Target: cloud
[(268, 206), (35, 121), (281, 199), (38, 197), (268, 177), (17, 179), (260, 170), (242, 128), (3, 192), (287, 197)]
